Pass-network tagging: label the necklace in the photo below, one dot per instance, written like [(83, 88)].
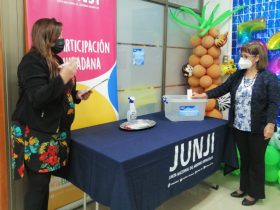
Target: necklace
[(247, 82)]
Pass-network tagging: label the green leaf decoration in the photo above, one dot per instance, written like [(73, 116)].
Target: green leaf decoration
[(204, 24), (225, 15), (203, 20), (182, 21), (211, 17), (191, 12)]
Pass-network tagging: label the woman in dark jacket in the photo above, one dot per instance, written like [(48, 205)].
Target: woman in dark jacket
[(253, 114), (44, 112)]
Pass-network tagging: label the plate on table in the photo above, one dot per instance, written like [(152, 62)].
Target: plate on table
[(139, 124)]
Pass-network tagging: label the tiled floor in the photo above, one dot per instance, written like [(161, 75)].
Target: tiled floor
[(202, 197)]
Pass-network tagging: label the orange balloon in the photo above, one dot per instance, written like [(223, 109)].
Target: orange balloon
[(217, 81), (207, 41), (205, 81), (214, 71), (206, 61), (216, 61), (211, 103), (199, 71), (193, 81), (211, 87), (194, 60), (215, 113), (214, 51), (198, 89), (195, 41), (199, 51), (214, 32)]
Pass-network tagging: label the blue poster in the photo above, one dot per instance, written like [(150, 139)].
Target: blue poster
[(138, 57)]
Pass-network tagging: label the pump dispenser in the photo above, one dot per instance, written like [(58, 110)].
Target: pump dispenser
[(131, 113)]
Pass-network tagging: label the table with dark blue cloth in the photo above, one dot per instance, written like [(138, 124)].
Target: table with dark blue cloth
[(139, 170)]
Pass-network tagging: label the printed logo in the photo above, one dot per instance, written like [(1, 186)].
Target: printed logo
[(91, 4), (192, 157), (188, 111)]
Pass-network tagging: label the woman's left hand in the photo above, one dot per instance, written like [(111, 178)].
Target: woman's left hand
[(268, 131), (83, 94)]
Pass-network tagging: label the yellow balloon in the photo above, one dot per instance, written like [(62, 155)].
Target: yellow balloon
[(274, 42)]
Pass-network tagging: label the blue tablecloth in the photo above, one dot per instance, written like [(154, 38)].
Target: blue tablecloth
[(139, 170)]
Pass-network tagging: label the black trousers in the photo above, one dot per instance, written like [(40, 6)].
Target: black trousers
[(252, 148), (37, 193)]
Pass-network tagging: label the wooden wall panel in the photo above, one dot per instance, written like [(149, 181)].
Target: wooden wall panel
[(3, 150)]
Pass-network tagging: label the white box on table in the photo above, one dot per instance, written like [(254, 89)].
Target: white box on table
[(180, 108)]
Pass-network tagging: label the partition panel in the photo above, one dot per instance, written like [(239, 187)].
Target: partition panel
[(3, 143), (140, 29)]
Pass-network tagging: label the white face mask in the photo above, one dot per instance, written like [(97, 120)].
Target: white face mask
[(244, 63)]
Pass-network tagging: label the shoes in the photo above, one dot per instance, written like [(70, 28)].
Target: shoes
[(246, 202), (236, 194)]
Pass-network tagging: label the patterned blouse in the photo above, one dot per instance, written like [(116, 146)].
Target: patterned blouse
[(42, 152), (242, 119)]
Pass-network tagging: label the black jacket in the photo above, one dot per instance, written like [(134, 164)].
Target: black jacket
[(41, 100), (264, 101)]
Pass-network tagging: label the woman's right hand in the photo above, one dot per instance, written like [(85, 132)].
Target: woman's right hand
[(68, 71), (199, 95)]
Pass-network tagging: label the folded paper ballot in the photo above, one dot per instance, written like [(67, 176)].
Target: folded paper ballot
[(97, 84), (92, 87)]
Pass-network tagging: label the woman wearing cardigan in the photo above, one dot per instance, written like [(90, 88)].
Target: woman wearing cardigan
[(252, 116)]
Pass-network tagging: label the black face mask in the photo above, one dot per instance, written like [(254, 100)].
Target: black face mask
[(58, 46)]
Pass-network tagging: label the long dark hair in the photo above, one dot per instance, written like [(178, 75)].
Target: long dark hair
[(45, 32)]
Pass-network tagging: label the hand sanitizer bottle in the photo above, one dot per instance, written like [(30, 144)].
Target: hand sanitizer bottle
[(131, 113)]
